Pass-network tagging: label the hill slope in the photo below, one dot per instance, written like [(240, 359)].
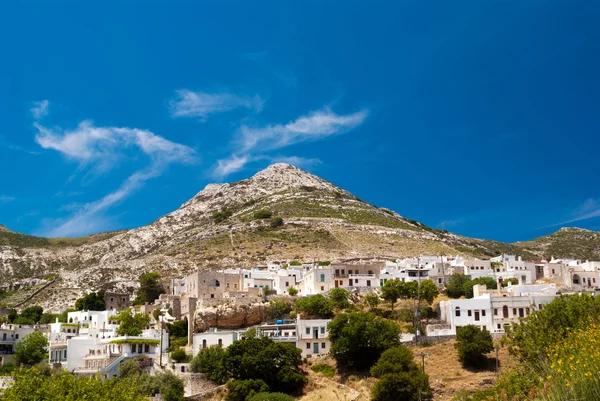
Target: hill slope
[(220, 227)]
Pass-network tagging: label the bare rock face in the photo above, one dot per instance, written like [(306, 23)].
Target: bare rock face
[(229, 317)]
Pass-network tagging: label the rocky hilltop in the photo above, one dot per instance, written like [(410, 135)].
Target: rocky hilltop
[(280, 214)]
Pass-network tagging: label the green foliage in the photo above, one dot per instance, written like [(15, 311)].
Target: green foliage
[(277, 222), (277, 364), (315, 306), (394, 360), (242, 390), (179, 355), (48, 318), (395, 289), (12, 315), (212, 362), (7, 368), (92, 301), (489, 282), (271, 397), (472, 344), (405, 386), (510, 280), (32, 349), (131, 324), (358, 339), (132, 367), (455, 287), (278, 308), (537, 332), (429, 291), (178, 328), (295, 263), (293, 291), (323, 368), (339, 297), (372, 299), (33, 313), (222, 215), (150, 288), (36, 384), (262, 214)]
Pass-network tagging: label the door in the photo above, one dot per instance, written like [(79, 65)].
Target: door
[(315, 348), (316, 333), (505, 311), (476, 315)]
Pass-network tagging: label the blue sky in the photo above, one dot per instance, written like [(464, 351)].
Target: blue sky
[(479, 117)]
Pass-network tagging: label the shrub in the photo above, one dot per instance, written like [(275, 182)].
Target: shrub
[(455, 287), (179, 355), (278, 308), (222, 215), (293, 291), (358, 339), (277, 222), (262, 214), (7, 368), (32, 349), (339, 297), (489, 282), (394, 360), (323, 368), (270, 397), (510, 280), (472, 343), (316, 306), (405, 386), (240, 390), (372, 299)]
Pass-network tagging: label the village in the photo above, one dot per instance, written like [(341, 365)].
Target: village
[(221, 307)]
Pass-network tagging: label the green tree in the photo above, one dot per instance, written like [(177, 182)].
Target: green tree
[(278, 308), (489, 282), (12, 315), (276, 222), (429, 291), (242, 390), (372, 299), (293, 291), (179, 355), (316, 306), (48, 318), (405, 386), (131, 324), (32, 349), (358, 339), (92, 301), (340, 297), (394, 360), (178, 328), (212, 362), (33, 313), (472, 344), (150, 288), (455, 289), (277, 364), (7, 369), (510, 280), (393, 290)]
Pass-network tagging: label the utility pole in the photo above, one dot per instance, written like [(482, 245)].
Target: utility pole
[(422, 355), (161, 340), (418, 313), (497, 360)]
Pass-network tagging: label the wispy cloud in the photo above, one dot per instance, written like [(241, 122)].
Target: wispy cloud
[(99, 148), (254, 143), (317, 125), (202, 104), (40, 109), (589, 209), (446, 224), (6, 198)]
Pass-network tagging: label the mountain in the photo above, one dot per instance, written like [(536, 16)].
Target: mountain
[(229, 225), (568, 242)]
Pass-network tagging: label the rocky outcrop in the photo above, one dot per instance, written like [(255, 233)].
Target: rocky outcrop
[(229, 317)]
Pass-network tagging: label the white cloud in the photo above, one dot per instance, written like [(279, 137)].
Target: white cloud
[(230, 165), (317, 125), (6, 199), (40, 109), (201, 104), (99, 148), (587, 210), (297, 161)]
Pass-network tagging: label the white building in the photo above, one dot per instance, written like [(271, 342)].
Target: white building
[(214, 337)]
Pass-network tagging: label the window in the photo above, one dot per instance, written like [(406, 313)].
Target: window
[(308, 330), (220, 342), (483, 312), (469, 313), (287, 283), (111, 299), (457, 312), (322, 345), (499, 326), (355, 281), (307, 345), (203, 344), (64, 354), (514, 311), (322, 278), (227, 285), (495, 311), (322, 288), (323, 330), (16, 336)]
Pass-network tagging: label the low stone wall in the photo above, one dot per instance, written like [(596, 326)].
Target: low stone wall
[(430, 340), (196, 383)]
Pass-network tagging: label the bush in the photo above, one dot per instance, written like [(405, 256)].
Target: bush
[(212, 362), (489, 282), (222, 215), (241, 390), (394, 360), (271, 397), (277, 222), (323, 368), (372, 299), (32, 349), (316, 306), (455, 287), (262, 214), (293, 291), (7, 368), (405, 386), (358, 339), (339, 297), (179, 355), (472, 344), (278, 308), (510, 280)]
